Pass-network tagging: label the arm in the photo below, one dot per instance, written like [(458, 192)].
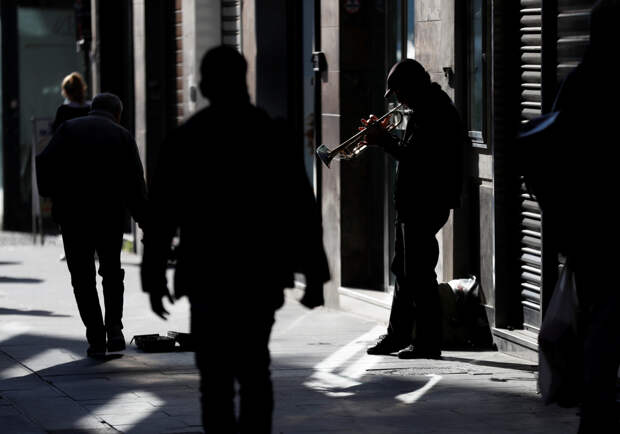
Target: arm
[(46, 163), (392, 146), (313, 260), (160, 228), (59, 118), (303, 223), (136, 186), (378, 136)]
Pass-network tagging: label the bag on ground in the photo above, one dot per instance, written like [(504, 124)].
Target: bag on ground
[(464, 321)]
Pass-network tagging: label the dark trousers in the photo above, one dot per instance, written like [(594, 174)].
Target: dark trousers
[(80, 245), (416, 298), (600, 303), (232, 348)]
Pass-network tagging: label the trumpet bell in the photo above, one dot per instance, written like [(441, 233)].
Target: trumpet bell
[(355, 144), (324, 155)]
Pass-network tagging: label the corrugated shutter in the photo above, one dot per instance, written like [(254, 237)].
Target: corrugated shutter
[(573, 34), (231, 24), (568, 42), (530, 217)]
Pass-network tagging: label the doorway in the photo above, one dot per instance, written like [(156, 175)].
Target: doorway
[(42, 43)]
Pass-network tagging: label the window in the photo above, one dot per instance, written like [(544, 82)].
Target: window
[(476, 75)]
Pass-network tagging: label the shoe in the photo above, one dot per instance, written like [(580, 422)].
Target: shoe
[(96, 351), (116, 340), (385, 345), (412, 352)]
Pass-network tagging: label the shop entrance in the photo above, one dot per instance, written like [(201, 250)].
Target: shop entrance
[(42, 42)]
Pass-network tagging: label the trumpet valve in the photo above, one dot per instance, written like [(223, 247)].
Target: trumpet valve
[(359, 149)]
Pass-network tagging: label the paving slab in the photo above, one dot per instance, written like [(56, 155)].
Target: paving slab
[(324, 381)]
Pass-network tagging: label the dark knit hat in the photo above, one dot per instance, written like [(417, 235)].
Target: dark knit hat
[(407, 72)]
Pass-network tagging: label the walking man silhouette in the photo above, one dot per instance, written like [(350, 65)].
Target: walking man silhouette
[(229, 183), (92, 171), (583, 163)]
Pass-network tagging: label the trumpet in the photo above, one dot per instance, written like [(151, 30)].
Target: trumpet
[(354, 145)]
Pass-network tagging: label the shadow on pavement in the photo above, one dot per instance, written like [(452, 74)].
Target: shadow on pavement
[(49, 381), (152, 393), (6, 279), (5, 311), (490, 363)]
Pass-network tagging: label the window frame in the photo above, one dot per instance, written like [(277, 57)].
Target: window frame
[(479, 137)]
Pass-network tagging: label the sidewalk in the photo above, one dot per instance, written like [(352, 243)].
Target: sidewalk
[(324, 382)]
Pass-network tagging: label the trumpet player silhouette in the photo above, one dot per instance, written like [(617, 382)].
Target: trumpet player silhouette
[(230, 182), (428, 185)]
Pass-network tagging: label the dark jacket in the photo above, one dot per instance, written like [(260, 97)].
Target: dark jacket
[(92, 171), (229, 183), (67, 112), (430, 158), (580, 165)]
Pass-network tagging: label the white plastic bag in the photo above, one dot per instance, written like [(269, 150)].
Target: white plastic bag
[(560, 346), (463, 285)]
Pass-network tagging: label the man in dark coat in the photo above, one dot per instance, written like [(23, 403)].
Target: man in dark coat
[(580, 161), (92, 172), (228, 182), (428, 186)]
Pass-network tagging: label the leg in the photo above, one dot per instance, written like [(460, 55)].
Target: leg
[(109, 252), (420, 259), (402, 315), (601, 352), (217, 391), (214, 359), (79, 252), (254, 377)]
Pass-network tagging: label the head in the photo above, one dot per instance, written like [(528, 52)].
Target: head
[(223, 70), (109, 103), (74, 88), (409, 81)]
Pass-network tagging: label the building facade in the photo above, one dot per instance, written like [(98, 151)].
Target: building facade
[(502, 63), (322, 64), (42, 42)]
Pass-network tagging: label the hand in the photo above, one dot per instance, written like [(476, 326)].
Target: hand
[(375, 131), (313, 296), (157, 305)]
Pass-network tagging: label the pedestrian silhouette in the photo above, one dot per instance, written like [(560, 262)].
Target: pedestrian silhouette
[(572, 169), (73, 89), (92, 172), (428, 185), (230, 183)]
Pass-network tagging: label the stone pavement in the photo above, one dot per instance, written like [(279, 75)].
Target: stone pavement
[(324, 381)]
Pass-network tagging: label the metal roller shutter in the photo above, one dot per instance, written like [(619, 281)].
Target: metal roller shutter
[(573, 34), (231, 24), (564, 44), (530, 217)]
